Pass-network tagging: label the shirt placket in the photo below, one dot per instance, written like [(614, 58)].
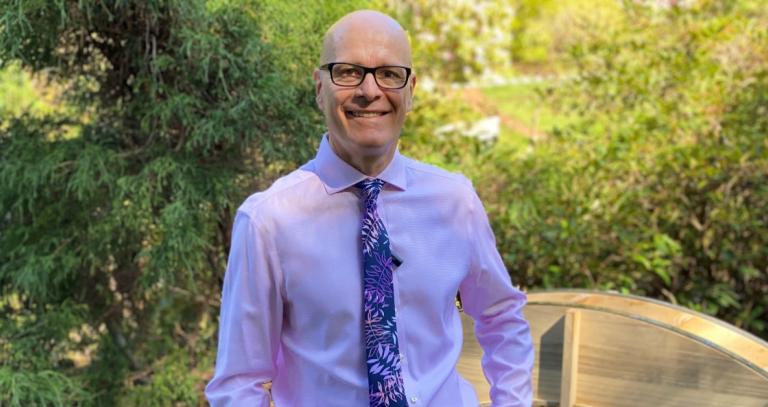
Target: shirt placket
[(411, 389)]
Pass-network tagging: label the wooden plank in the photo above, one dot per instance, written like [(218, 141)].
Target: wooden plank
[(629, 358), (746, 346), (569, 376), (469, 366), (547, 331), (628, 362), (624, 362)]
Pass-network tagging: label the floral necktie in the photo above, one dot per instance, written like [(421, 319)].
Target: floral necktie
[(385, 381)]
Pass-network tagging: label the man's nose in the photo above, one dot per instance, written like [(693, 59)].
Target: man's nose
[(368, 89)]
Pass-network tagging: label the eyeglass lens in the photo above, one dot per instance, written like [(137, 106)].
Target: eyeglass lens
[(352, 75)]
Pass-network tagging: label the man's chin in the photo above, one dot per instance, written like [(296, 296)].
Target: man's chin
[(371, 139), (379, 147), (364, 144)]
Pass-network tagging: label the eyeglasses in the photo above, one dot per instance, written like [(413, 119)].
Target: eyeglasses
[(351, 75)]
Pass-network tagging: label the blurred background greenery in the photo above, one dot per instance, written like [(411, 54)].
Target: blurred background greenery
[(616, 144)]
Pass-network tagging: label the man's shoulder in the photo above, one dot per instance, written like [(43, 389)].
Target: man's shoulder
[(267, 203)]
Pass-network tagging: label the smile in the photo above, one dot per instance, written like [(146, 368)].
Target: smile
[(364, 114)]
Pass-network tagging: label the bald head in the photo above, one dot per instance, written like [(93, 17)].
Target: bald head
[(372, 26)]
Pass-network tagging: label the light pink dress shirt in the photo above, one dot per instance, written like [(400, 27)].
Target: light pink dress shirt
[(292, 298)]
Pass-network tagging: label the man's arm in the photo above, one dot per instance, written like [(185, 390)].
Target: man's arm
[(496, 306), (250, 322)]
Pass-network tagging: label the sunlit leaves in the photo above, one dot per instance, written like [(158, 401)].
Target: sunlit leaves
[(656, 184)]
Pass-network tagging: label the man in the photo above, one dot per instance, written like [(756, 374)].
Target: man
[(342, 275)]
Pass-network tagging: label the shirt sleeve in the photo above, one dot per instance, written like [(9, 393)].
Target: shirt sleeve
[(488, 296), (250, 320)]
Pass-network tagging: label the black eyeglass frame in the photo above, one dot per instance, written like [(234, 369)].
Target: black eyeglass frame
[(366, 70)]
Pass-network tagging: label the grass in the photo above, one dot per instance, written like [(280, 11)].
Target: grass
[(524, 115)]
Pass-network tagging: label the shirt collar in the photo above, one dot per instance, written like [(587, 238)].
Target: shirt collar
[(338, 175)]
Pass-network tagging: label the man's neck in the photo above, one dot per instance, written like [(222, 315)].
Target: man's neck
[(370, 165)]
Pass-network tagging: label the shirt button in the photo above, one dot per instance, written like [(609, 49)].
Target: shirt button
[(402, 357), (414, 400)]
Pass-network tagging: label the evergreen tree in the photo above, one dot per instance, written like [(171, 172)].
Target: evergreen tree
[(115, 213)]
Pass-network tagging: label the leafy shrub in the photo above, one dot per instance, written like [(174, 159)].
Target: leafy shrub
[(659, 188)]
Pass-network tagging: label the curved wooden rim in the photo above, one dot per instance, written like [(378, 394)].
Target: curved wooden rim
[(747, 348)]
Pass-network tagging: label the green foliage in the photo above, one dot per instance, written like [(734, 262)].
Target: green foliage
[(656, 183), (457, 41), (423, 137), (18, 93), (46, 387), (34, 369), (172, 383), (297, 28), (544, 30)]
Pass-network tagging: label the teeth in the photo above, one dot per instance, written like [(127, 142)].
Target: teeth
[(365, 114)]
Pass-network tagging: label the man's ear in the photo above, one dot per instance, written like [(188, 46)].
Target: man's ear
[(318, 87), (411, 88)]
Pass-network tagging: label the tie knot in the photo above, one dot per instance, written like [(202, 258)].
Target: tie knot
[(371, 187)]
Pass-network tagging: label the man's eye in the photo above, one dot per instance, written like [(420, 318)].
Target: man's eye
[(349, 72), (391, 74)]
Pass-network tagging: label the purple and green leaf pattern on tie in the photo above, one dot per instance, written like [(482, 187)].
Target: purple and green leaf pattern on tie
[(385, 381)]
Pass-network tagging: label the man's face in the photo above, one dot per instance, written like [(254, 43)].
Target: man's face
[(366, 120)]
